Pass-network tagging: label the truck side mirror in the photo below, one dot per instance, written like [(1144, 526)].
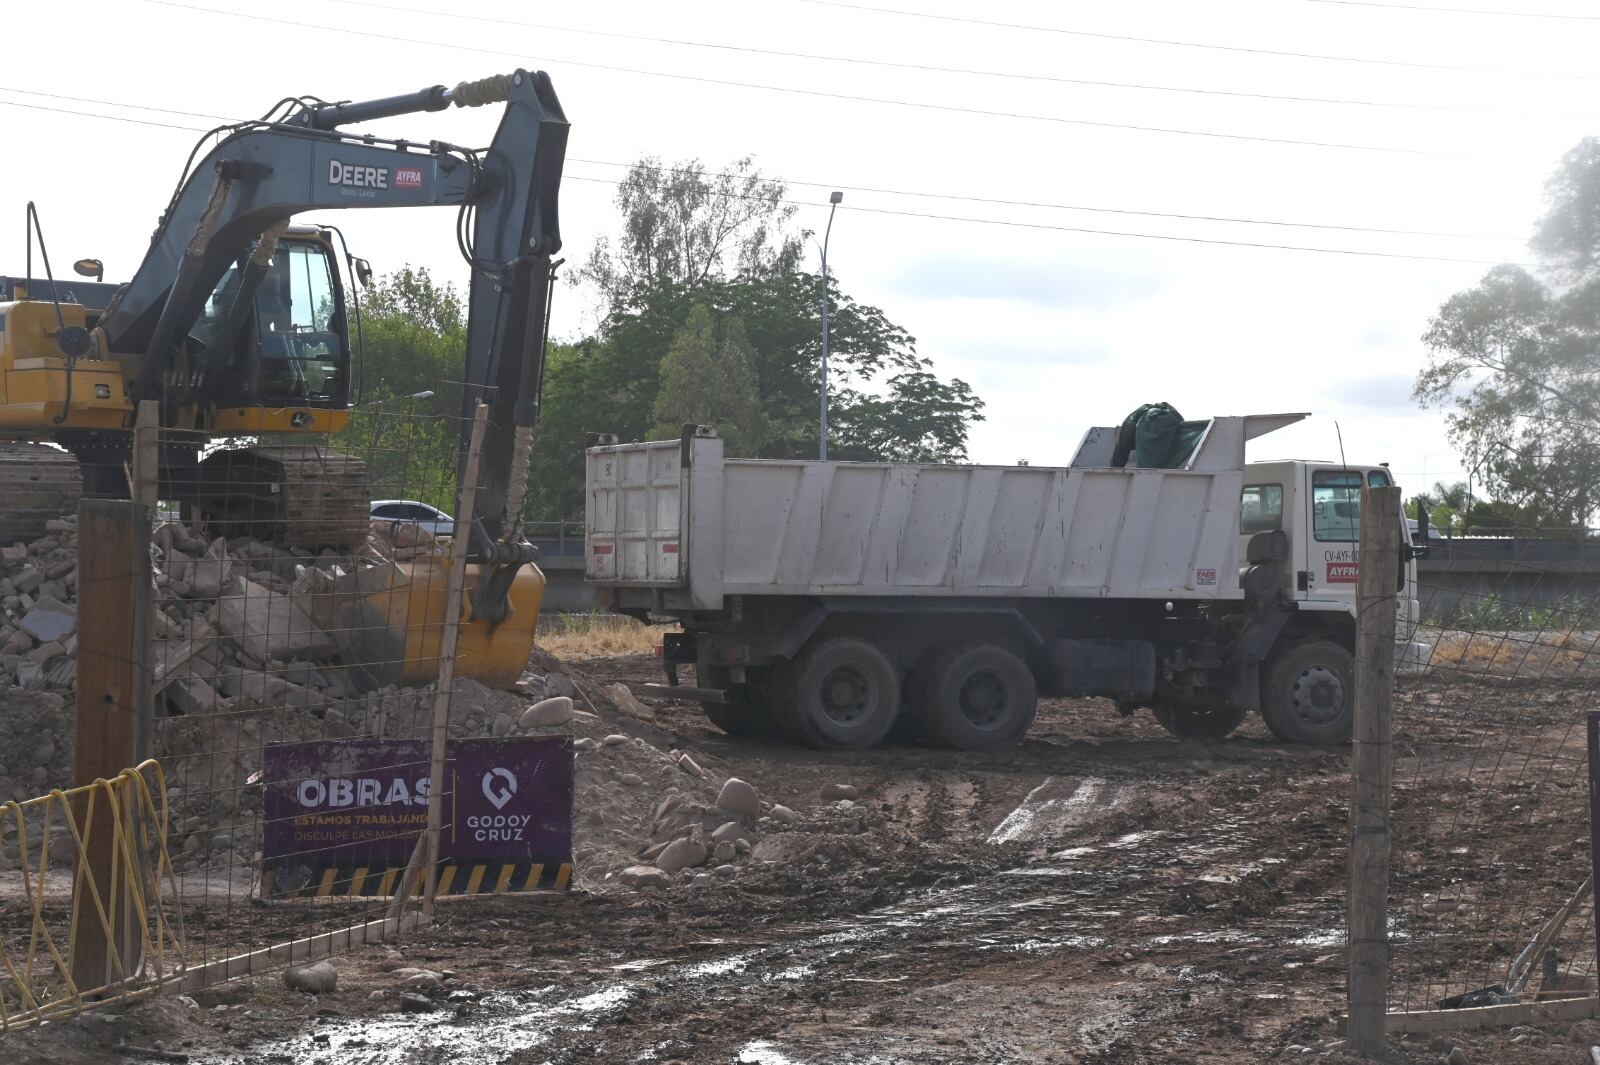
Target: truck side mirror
[(90, 268), (1418, 548), (363, 271)]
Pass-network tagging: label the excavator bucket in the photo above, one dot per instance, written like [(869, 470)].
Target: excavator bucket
[(389, 619)]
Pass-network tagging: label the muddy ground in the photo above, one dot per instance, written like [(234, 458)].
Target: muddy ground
[(1103, 893)]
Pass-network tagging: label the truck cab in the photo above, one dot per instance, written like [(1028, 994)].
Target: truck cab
[(1317, 505)]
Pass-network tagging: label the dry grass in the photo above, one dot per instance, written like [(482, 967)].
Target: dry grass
[(1515, 653), (578, 636)]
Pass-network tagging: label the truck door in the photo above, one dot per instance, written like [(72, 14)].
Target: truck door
[(1332, 556), (1331, 563)]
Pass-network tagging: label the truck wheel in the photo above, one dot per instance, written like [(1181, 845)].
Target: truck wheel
[(1308, 695), (1198, 720), (748, 711), (975, 697), (841, 693)]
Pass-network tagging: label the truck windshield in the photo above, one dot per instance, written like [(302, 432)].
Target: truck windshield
[(1336, 505)]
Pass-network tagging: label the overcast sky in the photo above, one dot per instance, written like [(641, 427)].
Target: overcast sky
[(1451, 121)]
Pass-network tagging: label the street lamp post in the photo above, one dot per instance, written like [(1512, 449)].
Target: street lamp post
[(822, 451)]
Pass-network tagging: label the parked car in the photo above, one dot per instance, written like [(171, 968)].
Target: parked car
[(411, 512)]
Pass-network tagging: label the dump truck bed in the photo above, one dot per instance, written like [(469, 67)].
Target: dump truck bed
[(675, 525)]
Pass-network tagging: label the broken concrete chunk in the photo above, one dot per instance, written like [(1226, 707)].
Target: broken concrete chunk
[(27, 581), (51, 619), (268, 625), (14, 553), (212, 573)]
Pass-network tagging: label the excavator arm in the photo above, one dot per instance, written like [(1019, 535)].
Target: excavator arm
[(240, 197)]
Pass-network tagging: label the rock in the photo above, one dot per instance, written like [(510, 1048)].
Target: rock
[(687, 763), (19, 643), (560, 685), (700, 880), (411, 1002), (268, 625), (319, 978), (681, 854), (502, 725), (377, 996), (419, 979), (831, 792), (63, 851), (723, 852), (584, 743), (784, 814), (27, 581), (616, 739), (645, 876), (14, 553), (742, 846), (44, 753), (632, 780), (547, 713), (725, 872), (626, 702), (728, 832), (1457, 1056), (50, 619), (739, 798)]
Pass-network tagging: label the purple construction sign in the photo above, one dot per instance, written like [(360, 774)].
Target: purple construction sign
[(336, 809), (1594, 812)]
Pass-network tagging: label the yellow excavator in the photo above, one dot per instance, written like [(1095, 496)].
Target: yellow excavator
[(236, 324)]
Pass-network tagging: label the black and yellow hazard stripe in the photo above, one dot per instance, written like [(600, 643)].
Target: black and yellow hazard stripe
[(476, 878)]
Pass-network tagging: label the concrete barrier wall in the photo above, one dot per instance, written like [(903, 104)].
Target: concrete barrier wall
[(1464, 572)]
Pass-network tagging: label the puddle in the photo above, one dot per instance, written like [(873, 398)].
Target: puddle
[(1040, 815), (762, 1052)]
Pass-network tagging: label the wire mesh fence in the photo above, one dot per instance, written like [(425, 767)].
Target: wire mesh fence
[(1490, 889), (301, 616)]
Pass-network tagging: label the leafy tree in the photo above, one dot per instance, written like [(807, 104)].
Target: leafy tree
[(1517, 361), (683, 224), (711, 381)]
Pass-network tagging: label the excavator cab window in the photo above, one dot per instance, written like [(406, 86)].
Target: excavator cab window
[(299, 319), (296, 352)]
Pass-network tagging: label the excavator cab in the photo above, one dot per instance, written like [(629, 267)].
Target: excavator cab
[(292, 348)]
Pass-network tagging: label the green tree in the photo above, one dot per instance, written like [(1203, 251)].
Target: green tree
[(1516, 361), (683, 224), (711, 381)]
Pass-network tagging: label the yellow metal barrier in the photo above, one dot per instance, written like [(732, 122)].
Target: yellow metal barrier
[(105, 906)]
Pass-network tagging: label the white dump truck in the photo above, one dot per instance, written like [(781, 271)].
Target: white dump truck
[(837, 602)]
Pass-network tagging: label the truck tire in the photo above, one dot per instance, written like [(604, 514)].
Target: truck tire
[(842, 692), (1189, 720), (1308, 695), (975, 697), (748, 711)]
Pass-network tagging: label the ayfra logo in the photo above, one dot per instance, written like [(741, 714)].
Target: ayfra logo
[(361, 177), (407, 177)]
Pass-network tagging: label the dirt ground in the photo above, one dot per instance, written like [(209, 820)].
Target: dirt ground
[(1102, 893)]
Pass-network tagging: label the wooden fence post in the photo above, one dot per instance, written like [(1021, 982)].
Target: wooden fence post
[(1372, 767), (113, 718)]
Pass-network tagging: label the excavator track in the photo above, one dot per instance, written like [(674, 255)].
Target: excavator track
[(298, 495), (37, 483)]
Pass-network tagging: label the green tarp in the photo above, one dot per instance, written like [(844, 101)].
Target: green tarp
[(1157, 437)]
